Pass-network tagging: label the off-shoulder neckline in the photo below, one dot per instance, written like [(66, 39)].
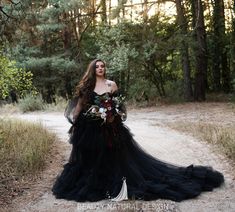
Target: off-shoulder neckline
[(107, 92), (102, 93)]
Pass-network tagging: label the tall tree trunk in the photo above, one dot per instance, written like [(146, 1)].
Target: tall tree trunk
[(226, 81), (221, 73), (233, 44), (161, 80), (104, 11), (66, 34), (188, 93), (110, 11), (200, 51), (216, 59), (145, 10), (93, 6), (131, 13)]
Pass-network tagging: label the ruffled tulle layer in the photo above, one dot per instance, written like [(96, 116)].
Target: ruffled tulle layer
[(103, 155)]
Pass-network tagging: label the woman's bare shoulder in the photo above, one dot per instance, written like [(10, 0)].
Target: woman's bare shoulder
[(112, 84), (110, 81)]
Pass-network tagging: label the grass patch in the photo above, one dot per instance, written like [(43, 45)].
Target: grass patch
[(220, 97), (24, 148), (9, 109), (223, 137), (59, 105)]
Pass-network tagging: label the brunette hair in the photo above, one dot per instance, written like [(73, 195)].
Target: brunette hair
[(88, 81)]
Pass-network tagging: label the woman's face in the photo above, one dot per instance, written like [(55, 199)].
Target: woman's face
[(99, 68)]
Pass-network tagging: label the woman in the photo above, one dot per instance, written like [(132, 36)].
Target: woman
[(106, 162)]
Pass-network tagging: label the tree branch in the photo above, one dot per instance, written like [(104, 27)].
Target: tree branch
[(82, 33)]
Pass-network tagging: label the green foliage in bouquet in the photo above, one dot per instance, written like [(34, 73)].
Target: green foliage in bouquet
[(106, 107)]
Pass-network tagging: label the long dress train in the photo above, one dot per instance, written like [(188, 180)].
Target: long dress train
[(107, 163)]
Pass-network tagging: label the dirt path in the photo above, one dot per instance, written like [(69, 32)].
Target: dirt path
[(151, 133)]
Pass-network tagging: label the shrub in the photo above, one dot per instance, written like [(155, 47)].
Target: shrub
[(31, 103)]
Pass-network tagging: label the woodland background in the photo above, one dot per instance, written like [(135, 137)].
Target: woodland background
[(169, 49)]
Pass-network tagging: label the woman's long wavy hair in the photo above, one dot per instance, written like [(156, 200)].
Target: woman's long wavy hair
[(87, 84)]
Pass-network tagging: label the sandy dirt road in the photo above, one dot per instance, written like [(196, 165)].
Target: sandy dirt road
[(154, 136)]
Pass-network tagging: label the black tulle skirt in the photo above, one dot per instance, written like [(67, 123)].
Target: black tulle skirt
[(103, 154)]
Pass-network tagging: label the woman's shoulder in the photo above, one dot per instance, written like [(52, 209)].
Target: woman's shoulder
[(112, 84)]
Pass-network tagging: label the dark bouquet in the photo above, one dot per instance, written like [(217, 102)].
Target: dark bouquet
[(106, 107)]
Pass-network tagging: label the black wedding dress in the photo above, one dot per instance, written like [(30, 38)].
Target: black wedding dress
[(107, 163)]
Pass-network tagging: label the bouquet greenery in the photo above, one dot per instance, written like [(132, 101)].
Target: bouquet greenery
[(106, 107)]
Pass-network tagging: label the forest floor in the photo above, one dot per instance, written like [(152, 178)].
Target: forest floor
[(151, 129)]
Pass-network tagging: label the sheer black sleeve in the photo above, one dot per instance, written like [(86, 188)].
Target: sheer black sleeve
[(70, 109), (70, 114)]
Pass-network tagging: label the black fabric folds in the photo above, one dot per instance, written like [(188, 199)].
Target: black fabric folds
[(103, 153)]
